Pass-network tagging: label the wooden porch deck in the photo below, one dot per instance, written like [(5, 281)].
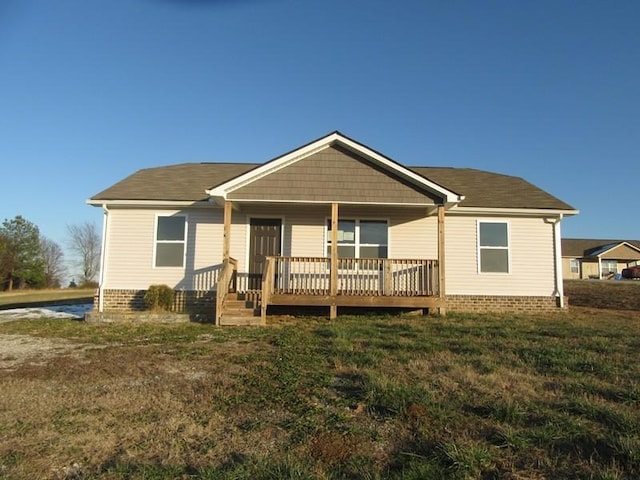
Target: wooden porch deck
[(356, 282)]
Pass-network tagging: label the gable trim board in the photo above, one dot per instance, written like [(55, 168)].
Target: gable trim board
[(534, 260)]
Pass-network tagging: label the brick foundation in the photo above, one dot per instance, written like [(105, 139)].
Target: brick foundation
[(503, 304), (199, 304)]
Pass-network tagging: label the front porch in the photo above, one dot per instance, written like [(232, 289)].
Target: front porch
[(331, 281), (362, 282)]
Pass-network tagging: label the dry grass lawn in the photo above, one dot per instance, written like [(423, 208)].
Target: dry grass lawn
[(464, 397), (45, 295)]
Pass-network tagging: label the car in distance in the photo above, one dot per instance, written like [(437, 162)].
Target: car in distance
[(631, 272)]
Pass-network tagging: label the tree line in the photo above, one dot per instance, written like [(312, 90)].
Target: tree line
[(31, 260)]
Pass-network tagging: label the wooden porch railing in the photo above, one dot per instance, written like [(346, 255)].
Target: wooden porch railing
[(226, 284), (356, 276)]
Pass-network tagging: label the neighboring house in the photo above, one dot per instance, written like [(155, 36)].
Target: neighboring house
[(333, 224), (592, 258)]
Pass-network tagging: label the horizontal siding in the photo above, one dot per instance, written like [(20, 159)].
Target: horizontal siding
[(131, 239), (413, 236), (566, 269), (531, 257), (130, 245)]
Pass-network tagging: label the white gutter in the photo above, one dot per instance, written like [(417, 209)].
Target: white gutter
[(459, 210), (557, 258), (150, 203), (105, 222)]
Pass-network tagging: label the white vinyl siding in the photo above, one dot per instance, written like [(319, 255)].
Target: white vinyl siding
[(130, 246), (532, 264), (130, 249)]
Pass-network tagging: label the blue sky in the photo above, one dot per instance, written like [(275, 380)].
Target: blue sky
[(93, 91)]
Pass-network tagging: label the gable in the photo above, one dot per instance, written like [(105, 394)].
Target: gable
[(587, 247), (334, 174), (622, 251)]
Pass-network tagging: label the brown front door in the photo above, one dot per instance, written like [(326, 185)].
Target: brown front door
[(264, 240)]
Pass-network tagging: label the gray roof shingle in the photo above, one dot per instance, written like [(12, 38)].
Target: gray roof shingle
[(188, 182)]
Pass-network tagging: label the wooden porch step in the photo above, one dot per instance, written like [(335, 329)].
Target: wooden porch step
[(238, 305), (234, 320), (240, 309)]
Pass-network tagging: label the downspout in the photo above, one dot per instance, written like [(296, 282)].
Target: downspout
[(105, 219), (558, 260)]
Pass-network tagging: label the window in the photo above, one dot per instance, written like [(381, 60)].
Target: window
[(609, 266), (575, 265), (170, 241), (493, 247), (360, 238)]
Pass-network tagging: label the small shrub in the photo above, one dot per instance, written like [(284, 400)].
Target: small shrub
[(159, 298)]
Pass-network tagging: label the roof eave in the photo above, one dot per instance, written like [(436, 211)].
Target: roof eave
[(148, 203), (537, 212)]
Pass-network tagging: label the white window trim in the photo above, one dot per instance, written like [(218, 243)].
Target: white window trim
[(357, 244), (574, 262), (183, 241), (480, 248)]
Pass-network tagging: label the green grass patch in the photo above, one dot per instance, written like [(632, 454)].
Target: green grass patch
[(461, 397)]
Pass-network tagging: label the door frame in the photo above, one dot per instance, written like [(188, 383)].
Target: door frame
[(249, 217)]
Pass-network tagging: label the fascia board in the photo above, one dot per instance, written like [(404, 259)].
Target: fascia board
[(149, 203), (535, 212), (329, 202)]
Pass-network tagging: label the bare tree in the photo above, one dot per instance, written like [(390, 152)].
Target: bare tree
[(84, 242), (53, 258)]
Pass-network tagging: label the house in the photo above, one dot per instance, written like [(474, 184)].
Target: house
[(330, 224), (593, 258)]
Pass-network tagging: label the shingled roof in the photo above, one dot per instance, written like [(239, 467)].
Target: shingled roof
[(586, 247), (183, 182), (188, 182)]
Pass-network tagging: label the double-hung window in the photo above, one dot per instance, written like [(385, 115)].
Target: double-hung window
[(493, 247), (609, 266), (360, 238), (170, 241), (575, 265)]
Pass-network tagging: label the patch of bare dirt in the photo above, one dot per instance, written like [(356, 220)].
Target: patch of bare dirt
[(18, 349)]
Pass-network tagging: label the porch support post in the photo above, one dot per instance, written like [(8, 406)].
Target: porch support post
[(226, 237), (599, 268), (333, 288), (441, 264)]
